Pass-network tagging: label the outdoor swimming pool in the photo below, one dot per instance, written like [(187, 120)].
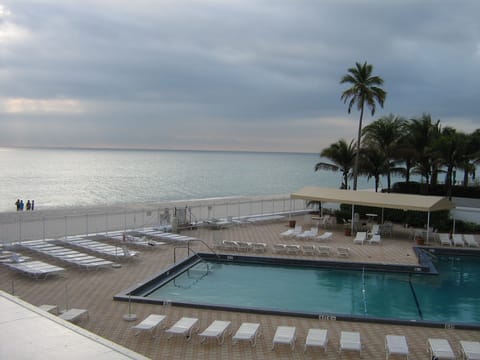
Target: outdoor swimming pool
[(311, 288)]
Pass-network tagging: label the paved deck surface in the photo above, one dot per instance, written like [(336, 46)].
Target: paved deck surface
[(94, 290)]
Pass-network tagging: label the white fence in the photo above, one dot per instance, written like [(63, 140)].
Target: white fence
[(50, 225)]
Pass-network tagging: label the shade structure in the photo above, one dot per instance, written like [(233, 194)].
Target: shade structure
[(374, 199)]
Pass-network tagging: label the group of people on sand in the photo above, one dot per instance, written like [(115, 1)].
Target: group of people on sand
[(30, 205)]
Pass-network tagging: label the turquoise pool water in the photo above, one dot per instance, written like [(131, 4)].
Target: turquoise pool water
[(453, 296)]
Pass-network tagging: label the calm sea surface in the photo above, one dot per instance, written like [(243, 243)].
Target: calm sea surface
[(57, 178)]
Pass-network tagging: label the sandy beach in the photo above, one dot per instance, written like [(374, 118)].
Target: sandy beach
[(94, 290)]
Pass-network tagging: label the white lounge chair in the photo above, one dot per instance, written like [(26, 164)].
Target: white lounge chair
[(375, 239), (244, 246), (308, 234), (292, 249), (292, 232), (457, 240), (279, 248), (230, 245), (151, 323), (52, 309), (444, 239), (308, 249), (360, 237), (470, 350), (247, 332), (259, 247), (470, 240), (35, 268), (440, 349), (183, 327), (73, 315), (396, 345), (216, 330), (350, 341), (285, 335), (318, 338), (374, 230), (325, 236), (343, 252), (324, 250)]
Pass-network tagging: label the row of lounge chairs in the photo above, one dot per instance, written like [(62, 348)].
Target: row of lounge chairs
[(395, 345), (187, 326), (229, 221), (125, 238), (289, 249), (160, 234), (350, 341), (294, 249), (362, 237), (28, 266), (242, 246), (457, 240), (66, 255), (105, 249), (311, 234)]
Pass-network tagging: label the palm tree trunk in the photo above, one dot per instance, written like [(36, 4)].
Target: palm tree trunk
[(357, 155)]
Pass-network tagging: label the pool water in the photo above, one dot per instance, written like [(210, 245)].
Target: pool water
[(452, 297)]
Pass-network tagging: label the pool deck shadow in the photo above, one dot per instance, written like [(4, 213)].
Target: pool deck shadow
[(94, 290)]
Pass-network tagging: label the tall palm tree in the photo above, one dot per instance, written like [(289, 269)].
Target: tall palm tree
[(342, 156), (423, 133), (450, 149), (385, 134), (374, 163), (406, 152), (472, 156), (365, 90)]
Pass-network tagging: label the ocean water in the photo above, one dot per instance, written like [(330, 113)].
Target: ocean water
[(59, 178)]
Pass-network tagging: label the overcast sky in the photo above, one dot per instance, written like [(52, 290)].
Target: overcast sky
[(227, 74)]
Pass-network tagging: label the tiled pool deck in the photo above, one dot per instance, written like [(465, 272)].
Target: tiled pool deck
[(94, 290)]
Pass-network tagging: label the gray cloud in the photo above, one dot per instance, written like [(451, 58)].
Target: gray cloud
[(218, 74)]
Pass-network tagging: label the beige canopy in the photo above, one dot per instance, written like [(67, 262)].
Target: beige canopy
[(374, 199)]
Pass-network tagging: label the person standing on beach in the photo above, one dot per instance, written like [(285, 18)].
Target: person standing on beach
[(21, 205), (33, 204), (17, 204), (29, 205)]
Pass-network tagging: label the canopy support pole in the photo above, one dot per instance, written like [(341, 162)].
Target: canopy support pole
[(353, 222), (428, 226)]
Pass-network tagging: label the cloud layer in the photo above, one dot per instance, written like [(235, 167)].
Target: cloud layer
[(239, 75)]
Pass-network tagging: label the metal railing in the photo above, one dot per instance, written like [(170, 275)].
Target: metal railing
[(49, 224)]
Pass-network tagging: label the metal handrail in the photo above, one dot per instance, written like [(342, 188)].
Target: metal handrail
[(193, 251)]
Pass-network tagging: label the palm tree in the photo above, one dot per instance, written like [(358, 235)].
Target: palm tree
[(385, 134), (472, 156), (422, 133), (365, 90), (374, 163), (406, 152), (450, 148), (342, 156)]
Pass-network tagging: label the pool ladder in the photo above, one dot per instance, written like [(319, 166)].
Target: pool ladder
[(195, 279)]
